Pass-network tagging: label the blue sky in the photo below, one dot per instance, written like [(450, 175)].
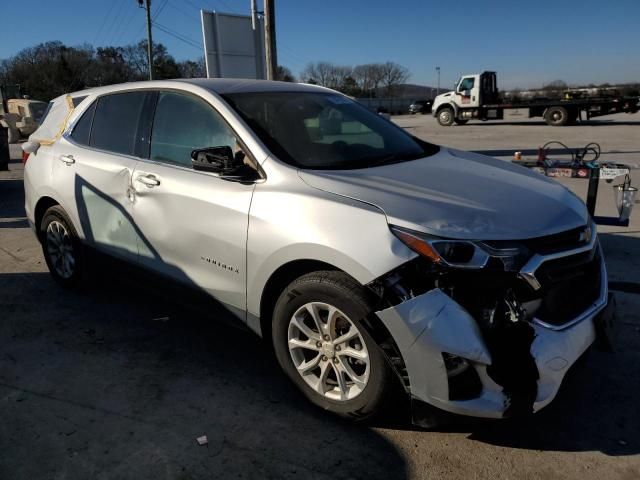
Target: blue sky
[(527, 42)]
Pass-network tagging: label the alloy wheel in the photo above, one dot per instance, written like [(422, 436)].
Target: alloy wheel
[(60, 249), (328, 351)]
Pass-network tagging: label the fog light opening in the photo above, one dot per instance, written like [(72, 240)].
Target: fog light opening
[(464, 382), (454, 364)]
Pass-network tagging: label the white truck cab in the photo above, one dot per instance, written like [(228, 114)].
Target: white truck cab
[(466, 101)]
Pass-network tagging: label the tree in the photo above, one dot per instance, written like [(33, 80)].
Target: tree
[(326, 74), (555, 85), (284, 74), (369, 77), (110, 67), (350, 87), (49, 69), (192, 69), (164, 65), (392, 76)]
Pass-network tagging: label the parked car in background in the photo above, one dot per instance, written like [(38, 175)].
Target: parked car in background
[(22, 117), (420, 106), (369, 259)]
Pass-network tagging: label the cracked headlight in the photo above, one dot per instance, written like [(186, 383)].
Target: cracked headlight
[(455, 253), (463, 253)]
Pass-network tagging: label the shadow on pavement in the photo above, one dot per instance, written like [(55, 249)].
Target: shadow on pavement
[(118, 381)]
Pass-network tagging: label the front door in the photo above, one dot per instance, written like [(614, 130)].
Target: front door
[(468, 91), (193, 224)]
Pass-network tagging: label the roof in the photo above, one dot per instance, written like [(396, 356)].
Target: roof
[(237, 85), (219, 86)]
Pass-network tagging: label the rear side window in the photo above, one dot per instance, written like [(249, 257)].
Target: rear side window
[(81, 131), (115, 122), (77, 100)]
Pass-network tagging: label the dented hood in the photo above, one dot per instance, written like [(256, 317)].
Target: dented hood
[(458, 194)]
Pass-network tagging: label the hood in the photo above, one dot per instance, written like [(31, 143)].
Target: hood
[(444, 95), (460, 195)]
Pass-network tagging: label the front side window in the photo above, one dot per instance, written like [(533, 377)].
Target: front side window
[(466, 84), (183, 123), (115, 122), (325, 131)]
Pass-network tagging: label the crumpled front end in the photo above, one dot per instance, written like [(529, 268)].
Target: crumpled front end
[(494, 344)]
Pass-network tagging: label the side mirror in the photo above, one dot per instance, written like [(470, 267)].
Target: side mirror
[(218, 160), (30, 147)]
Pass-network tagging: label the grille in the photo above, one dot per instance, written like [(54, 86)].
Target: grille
[(558, 242), (570, 285)]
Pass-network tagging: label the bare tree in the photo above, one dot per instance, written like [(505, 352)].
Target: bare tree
[(192, 69), (392, 76), (326, 74), (369, 77), (284, 74)]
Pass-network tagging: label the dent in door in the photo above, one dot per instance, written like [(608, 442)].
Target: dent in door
[(105, 220)]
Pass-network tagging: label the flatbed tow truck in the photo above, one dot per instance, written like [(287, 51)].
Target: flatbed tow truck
[(476, 97)]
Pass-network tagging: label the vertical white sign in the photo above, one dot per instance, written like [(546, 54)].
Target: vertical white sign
[(232, 48)]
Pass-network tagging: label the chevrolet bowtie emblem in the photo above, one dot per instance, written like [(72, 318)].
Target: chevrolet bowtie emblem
[(585, 235)]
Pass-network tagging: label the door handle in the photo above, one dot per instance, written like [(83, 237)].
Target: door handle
[(148, 180), (67, 159)]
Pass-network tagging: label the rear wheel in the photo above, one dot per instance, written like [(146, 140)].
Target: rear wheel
[(446, 117), (557, 116), (61, 246), (322, 345)]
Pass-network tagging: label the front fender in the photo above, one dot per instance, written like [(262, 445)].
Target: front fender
[(309, 224)]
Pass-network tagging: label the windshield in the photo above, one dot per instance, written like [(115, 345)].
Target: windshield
[(325, 130)]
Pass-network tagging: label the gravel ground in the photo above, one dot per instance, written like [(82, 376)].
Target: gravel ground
[(99, 384)]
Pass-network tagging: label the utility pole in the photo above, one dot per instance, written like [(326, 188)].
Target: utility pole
[(438, 90), (270, 38), (146, 4)]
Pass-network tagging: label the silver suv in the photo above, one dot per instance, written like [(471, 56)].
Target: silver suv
[(369, 258)]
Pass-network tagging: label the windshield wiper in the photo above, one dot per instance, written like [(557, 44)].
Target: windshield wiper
[(393, 158)]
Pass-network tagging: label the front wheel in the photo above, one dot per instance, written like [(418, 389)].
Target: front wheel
[(446, 117), (323, 347)]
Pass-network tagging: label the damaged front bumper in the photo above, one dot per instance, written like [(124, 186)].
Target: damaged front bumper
[(432, 326)]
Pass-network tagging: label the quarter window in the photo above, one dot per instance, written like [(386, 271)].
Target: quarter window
[(183, 123), (115, 123), (81, 131)]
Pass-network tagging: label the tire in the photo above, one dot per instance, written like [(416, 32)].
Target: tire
[(557, 116), (364, 393), (61, 247), (13, 135), (446, 117), (460, 121)]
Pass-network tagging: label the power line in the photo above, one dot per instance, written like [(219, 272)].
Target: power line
[(159, 10), (107, 33), (179, 36), (104, 20), (175, 7), (125, 27)]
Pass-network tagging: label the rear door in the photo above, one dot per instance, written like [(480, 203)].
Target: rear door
[(193, 223), (93, 165)]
